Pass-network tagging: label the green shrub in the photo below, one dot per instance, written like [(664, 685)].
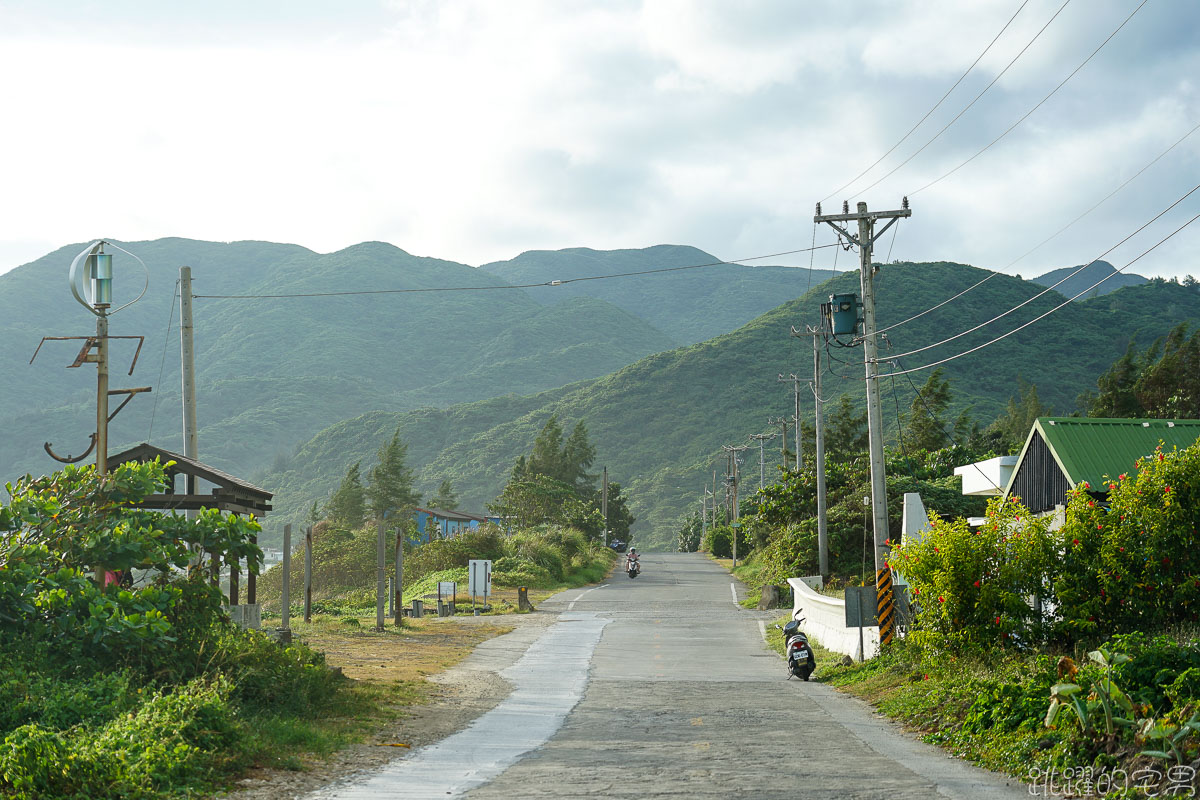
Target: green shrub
[(972, 586), (512, 571), (1133, 565)]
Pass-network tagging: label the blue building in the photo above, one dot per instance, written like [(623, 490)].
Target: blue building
[(441, 523)]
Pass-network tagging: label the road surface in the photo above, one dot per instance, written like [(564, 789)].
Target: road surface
[(663, 687)]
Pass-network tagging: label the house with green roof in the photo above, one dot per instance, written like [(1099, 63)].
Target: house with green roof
[(1062, 452)]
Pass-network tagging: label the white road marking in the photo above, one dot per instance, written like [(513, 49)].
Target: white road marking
[(762, 628), (549, 681), (578, 597), (733, 591)]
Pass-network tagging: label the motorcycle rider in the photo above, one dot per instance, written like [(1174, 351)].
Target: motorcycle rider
[(632, 558)]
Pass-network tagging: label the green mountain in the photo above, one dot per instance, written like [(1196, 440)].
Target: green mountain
[(1088, 276), (272, 372), (658, 424), (690, 305)]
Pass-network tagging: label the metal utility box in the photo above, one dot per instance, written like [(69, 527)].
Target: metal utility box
[(842, 313)]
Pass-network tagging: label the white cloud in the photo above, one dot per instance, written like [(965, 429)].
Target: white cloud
[(474, 130)]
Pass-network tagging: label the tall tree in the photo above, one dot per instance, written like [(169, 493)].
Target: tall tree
[(577, 456), (1014, 424), (926, 428), (1116, 397), (845, 431), (547, 456), (347, 507), (620, 518), (446, 498), (391, 480)]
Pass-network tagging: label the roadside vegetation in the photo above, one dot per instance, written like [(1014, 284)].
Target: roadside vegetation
[(112, 689), (553, 537), (1048, 654)]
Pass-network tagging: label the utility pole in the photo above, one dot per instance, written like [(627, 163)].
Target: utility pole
[(91, 282), (191, 447), (865, 239), (795, 417), (819, 421), (763, 437), (783, 423), (604, 505), (734, 479)]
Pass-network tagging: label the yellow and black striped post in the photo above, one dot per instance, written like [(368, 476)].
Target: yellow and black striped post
[(885, 608)]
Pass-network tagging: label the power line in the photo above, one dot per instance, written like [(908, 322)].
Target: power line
[(1048, 313), (967, 108), (936, 105), (1036, 107), (1050, 288), (505, 287), (1047, 240)]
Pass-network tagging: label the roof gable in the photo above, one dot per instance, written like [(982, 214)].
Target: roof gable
[(1091, 449)]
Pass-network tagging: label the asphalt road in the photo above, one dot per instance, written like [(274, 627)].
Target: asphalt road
[(663, 687)]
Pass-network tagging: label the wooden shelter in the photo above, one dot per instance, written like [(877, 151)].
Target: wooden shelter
[(228, 493)]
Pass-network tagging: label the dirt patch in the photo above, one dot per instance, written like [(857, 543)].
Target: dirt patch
[(458, 683)]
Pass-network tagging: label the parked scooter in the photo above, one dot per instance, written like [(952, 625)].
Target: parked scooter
[(800, 659)]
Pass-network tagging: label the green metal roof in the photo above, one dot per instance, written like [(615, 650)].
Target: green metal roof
[(1089, 449)]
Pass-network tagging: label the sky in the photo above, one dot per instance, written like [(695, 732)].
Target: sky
[(474, 130)]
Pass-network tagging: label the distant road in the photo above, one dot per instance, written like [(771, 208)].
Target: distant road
[(663, 687)]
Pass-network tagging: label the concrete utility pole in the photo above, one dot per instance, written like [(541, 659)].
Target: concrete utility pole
[(763, 437), (865, 239), (795, 417), (734, 479), (187, 353), (782, 422), (604, 505), (819, 421)]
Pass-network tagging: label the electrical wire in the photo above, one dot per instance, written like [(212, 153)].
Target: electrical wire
[(1053, 286), (505, 287), (1047, 313), (938, 135), (936, 105), (1036, 107), (1045, 241), (162, 362)]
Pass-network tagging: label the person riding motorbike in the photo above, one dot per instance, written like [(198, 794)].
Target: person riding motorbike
[(631, 557)]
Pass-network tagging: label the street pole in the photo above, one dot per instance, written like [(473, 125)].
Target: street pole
[(604, 505), (865, 239), (762, 438), (735, 475), (819, 421), (795, 417), (380, 574), (187, 350)]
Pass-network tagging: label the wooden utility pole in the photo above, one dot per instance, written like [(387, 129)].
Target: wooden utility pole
[(380, 574), (762, 438), (865, 239), (399, 590)]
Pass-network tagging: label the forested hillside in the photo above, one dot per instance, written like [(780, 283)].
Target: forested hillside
[(272, 372), (659, 424), (690, 305), (1087, 277)]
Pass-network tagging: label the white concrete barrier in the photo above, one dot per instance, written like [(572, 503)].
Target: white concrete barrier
[(826, 621)]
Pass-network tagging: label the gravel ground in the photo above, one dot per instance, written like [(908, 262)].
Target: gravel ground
[(463, 693)]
